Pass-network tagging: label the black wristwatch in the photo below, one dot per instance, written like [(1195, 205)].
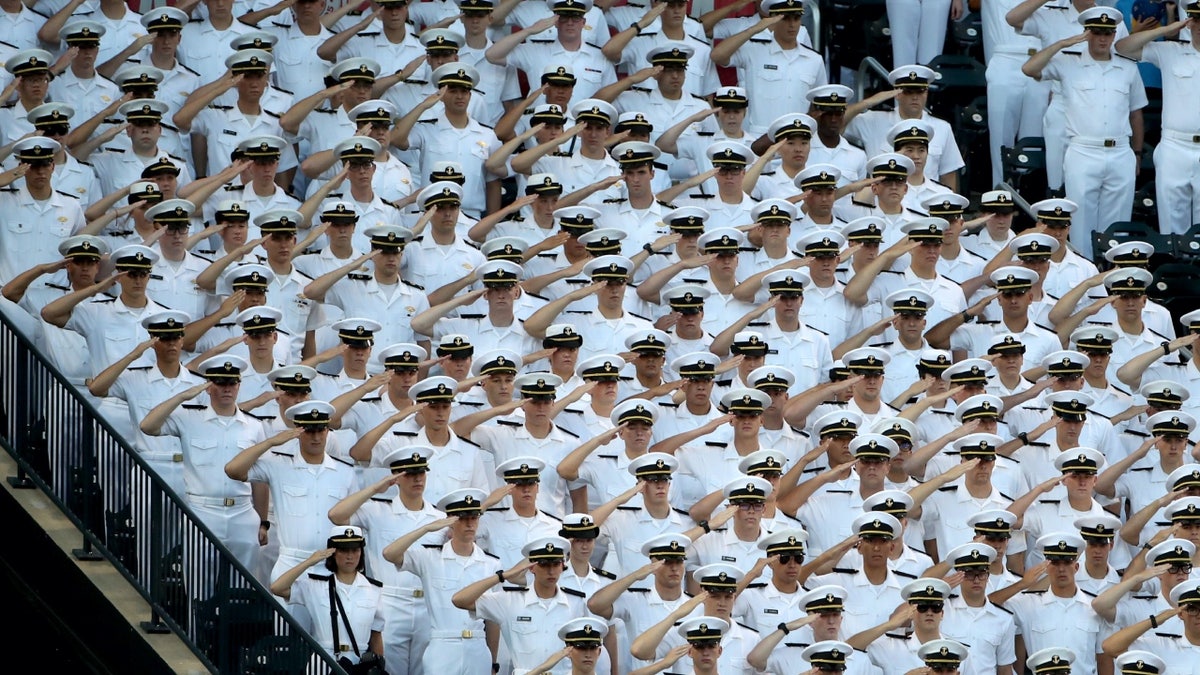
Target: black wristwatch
[(966, 317), (704, 526), (650, 249), (500, 575), (783, 627), (1024, 438), (266, 524), (1166, 348)]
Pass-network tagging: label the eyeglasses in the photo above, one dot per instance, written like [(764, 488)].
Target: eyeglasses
[(926, 607), (976, 573), (751, 506), (657, 479), (1184, 568)]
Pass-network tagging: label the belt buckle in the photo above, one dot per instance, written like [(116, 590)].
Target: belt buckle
[(1110, 143), (1031, 51), (467, 634), (418, 593), (228, 501), (343, 648), (177, 457), (1196, 138)]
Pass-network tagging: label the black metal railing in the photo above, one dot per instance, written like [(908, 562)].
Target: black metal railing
[(129, 516)]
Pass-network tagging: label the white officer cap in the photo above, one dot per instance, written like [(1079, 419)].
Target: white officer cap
[(979, 405), (579, 526), (703, 629), (913, 76), (1013, 278), (1130, 253), (1128, 280), (310, 413), (1098, 525), (262, 146), (1171, 422), (1173, 551), (830, 96), (588, 631), (838, 422), (164, 18), (537, 384), (600, 366), (250, 277), (138, 73), (499, 273), (357, 147), (632, 120), (652, 340), (594, 110), (666, 545), (1051, 660), (223, 367), (1164, 392), (770, 377), (969, 370), (817, 177), (774, 210), (687, 298), (745, 401), (292, 377), (1094, 337), (877, 524), (546, 548), (520, 468), (569, 6), (790, 540), (912, 300), (456, 345), (50, 113), (890, 165), (496, 360), (827, 598), (763, 461), (459, 501), (977, 445), (1079, 459), (76, 31), (1054, 210), (925, 229), (781, 6), (1069, 404), (696, 364), (1100, 18), (248, 60), (607, 238), (375, 110), (165, 321), (1060, 545), (1033, 245), (909, 131), (718, 577), (171, 210), (729, 153), (1140, 662), (29, 61), (358, 331), (867, 228), (926, 589), (279, 220), (447, 170), (993, 521), (786, 281), (143, 109), (791, 124), (83, 246), (874, 446), (455, 74), (721, 240), (441, 192), (259, 319), (357, 69), (608, 268), (397, 355), (942, 652), (1186, 509), (635, 153), (731, 97), (1186, 593), (971, 554), (254, 39), (346, 537), (633, 410), (652, 464), (832, 653), (134, 256), (866, 360), (144, 190), (895, 502), (670, 53), (36, 149), (947, 205), (543, 183), (576, 217), (896, 428), (997, 201), (442, 39), (560, 74)]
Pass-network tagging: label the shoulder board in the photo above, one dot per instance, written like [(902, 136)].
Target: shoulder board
[(916, 212), (382, 500), (641, 89), (214, 106), (1098, 323), (194, 406), (550, 515), (428, 121), (716, 444), (514, 589), (906, 575), (509, 423), (679, 511), (431, 546), (749, 628), (947, 412), (1006, 611), (637, 590), (1151, 329), (498, 508), (1049, 501), (592, 44), (1143, 468), (1097, 414), (490, 555), (67, 194), (760, 584), (320, 577), (817, 52), (472, 316), (701, 196), (116, 150), (262, 418), (369, 399), (814, 328), (572, 591), (637, 508), (99, 301), (970, 252), (231, 188), (1089, 594), (409, 283), (1120, 390), (1041, 445), (368, 34), (604, 573), (838, 492), (607, 456), (280, 25), (948, 488), (325, 111), (68, 290), (896, 272), (667, 404), (9, 105), (882, 344), (1120, 55), (844, 570), (1071, 52), (896, 637), (1144, 597), (616, 200), (473, 404), (373, 582), (1029, 407), (858, 203), (572, 434), (181, 65), (722, 383), (763, 41), (272, 113), (341, 460), (706, 133), (1041, 592), (133, 368), (1007, 497), (467, 440), (560, 154), (541, 41)]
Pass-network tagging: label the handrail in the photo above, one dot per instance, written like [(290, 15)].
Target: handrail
[(1017, 198), (66, 448), (870, 65)]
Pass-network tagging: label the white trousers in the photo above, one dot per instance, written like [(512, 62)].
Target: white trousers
[(918, 29), (1100, 180), (1015, 107), (457, 656), (1054, 129), (1177, 183), (406, 632)]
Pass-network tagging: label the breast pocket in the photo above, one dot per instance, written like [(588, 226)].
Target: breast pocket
[(204, 452), (295, 500), (1184, 70)]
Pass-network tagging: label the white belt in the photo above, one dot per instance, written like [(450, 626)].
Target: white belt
[(218, 501), (1181, 136), (298, 553), (1015, 51), (403, 591), (467, 634), (166, 457), (1101, 142)]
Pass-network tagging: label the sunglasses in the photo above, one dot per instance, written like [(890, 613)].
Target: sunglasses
[(926, 607)]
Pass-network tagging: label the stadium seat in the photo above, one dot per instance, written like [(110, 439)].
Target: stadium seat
[(1024, 163), (1132, 230), (1176, 286), (963, 79), (1145, 203), (967, 34)]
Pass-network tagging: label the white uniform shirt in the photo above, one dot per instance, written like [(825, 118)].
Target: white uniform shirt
[(204, 47), (1046, 620), (1099, 95), (302, 494), (872, 126), (209, 442), (776, 80)]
